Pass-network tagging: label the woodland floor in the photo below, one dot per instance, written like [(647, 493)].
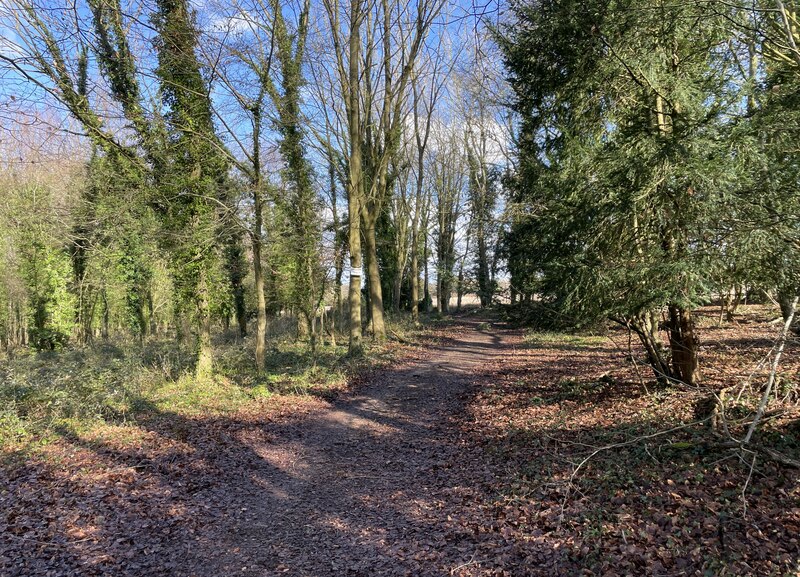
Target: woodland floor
[(457, 460)]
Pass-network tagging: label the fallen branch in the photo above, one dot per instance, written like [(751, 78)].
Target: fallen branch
[(776, 456), (394, 336), (780, 457), (463, 565), (773, 371)]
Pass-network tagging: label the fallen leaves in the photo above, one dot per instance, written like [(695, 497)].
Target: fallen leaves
[(649, 505), (458, 460)]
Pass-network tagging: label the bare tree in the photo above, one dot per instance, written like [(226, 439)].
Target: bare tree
[(384, 41), (426, 91), (449, 183)]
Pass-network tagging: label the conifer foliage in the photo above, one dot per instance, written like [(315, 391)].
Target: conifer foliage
[(636, 144)]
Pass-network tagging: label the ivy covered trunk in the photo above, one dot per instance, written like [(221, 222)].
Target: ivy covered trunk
[(397, 286), (414, 282), (205, 350), (258, 277), (484, 277), (255, 240), (195, 181), (236, 268)]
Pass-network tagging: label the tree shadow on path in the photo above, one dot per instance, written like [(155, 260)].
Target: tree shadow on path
[(379, 482)]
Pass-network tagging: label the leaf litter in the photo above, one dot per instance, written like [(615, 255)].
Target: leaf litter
[(458, 460)]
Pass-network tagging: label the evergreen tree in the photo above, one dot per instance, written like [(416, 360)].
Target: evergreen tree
[(625, 164)]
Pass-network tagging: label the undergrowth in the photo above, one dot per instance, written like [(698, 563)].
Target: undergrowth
[(549, 338), (120, 382)]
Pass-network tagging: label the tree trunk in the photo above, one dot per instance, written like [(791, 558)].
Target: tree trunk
[(255, 240), (205, 351), (303, 325), (653, 349), (484, 274), (415, 253), (82, 294), (355, 176), (321, 331), (310, 322), (460, 290), (426, 287), (151, 313), (106, 315), (397, 286), (241, 311), (444, 272), (334, 312), (683, 344), (235, 265), (261, 314), (354, 294), (442, 294), (338, 254), (374, 280), (421, 136), (414, 281), (735, 302), (786, 300)]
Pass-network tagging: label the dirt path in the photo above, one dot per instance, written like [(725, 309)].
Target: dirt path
[(389, 480), (380, 484)]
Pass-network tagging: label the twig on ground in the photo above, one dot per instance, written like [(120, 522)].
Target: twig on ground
[(627, 443), (468, 563), (776, 456), (749, 379), (49, 543), (746, 484)]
